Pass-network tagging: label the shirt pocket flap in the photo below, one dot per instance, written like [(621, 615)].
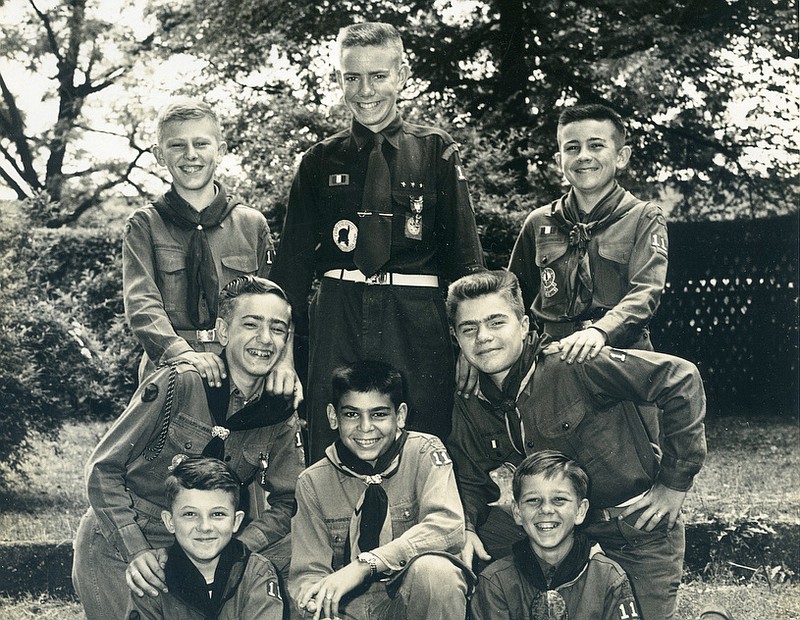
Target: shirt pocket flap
[(550, 251), (564, 422), (170, 261), (243, 263), (616, 252)]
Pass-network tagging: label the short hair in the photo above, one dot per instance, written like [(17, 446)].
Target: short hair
[(377, 34), (483, 283), (204, 474), (184, 109), (551, 464), (246, 285), (594, 112), (368, 376)]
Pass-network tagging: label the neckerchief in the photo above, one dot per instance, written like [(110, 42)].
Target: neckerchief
[(364, 137), (548, 603), (266, 410), (371, 523), (200, 270), (186, 583), (504, 400), (568, 218)]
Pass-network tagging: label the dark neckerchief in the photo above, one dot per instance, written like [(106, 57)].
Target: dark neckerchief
[(370, 518), (570, 567), (569, 220), (503, 401), (186, 583), (266, 410), (200, 269)]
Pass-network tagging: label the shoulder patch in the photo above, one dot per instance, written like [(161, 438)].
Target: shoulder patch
[(440, 458), (150, 393), (448, 152), (273, 590), (617, 354)]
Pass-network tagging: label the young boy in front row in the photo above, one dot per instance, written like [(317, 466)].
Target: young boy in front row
[(209, 574), (379, 517), (554, 572)]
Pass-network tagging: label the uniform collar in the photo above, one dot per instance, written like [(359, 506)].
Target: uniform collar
[(363, 136)]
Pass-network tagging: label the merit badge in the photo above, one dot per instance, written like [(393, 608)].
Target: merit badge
[(502, 477), (345, 234), (549, 285), (338, 180), (414, 220)]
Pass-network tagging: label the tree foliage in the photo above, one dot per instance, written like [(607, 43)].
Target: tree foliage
[(705, 84), (79, 56)]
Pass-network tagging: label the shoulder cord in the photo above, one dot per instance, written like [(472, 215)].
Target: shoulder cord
[(152, 452)]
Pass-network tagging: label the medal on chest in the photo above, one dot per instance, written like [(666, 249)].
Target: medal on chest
[(416, 204)]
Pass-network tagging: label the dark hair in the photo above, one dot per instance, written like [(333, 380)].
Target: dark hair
[(204, 474), (377, 34), (368, 376), (184, 109), (551, 464), (245, 285), (483, 283), (594, 112)]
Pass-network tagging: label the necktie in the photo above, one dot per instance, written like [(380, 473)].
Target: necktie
[(374, 243)]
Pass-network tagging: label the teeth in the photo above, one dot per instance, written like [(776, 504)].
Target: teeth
[(547, 526), (257, 353), (366, 442), (368, 106)]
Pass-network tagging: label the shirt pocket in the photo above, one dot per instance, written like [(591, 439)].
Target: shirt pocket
[(337, 529), (187, 435), (171, 266), (553, 271), (237, 265), (405, 514), (611, 271)]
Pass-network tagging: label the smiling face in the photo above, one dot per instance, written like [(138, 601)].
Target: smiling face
[(368, 423), (191, 150), (254, 336), (590, 154), (490, 334), (203, 523), (371, 77), (548, 510)]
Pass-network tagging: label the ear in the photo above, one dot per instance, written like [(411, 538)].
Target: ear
[(515, 513), (159, 154), (333, 421), (526, 325), (403, 73), (237, 520), (623, 157), (557, 157), (583, 509), (222, 331), (221, 150), (340, 79), (402, 414), (166, 517)]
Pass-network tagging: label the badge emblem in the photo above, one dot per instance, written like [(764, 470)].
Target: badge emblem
[(345, 234), (414, 221), (338, 180), (549, 285)]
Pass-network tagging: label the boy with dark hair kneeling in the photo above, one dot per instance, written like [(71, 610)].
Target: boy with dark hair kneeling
[(379, 517), (209, 574), (554, 573)]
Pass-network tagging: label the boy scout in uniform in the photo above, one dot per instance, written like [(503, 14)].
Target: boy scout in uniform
[(381, 213), (173, 414), (530, 402)]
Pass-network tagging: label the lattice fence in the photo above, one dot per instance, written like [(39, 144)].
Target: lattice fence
[(731, 306)]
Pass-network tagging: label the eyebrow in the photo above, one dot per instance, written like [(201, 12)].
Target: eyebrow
[(488, 318)]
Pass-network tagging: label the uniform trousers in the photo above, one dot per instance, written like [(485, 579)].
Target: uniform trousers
[(405, 326)]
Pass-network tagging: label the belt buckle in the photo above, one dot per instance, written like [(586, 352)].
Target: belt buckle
[(379, 278), (206, 335)]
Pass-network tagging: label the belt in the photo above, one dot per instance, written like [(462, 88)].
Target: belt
[(198, 335), (382, 277), (612, 512)]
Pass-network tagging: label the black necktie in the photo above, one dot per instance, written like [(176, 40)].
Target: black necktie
[(374, 243)]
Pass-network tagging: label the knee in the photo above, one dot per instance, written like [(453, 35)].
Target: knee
[(435, 573)]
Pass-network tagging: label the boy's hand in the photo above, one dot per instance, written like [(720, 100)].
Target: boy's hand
[(466, 377), (473, 546), (209, 365), (658, 502), (145, 572), (322, 599), (582, 345), (283, 381)]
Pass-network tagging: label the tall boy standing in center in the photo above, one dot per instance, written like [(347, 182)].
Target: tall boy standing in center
[(379, 517), (381, 213)]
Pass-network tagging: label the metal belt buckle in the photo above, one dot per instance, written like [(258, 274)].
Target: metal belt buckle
[(206, 335), (379, 278)]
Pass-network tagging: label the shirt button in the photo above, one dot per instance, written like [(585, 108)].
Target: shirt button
[(529, 444), (228, 458), (188, 445), (337, 539), (565, 426), (406, 514), (402, 562)]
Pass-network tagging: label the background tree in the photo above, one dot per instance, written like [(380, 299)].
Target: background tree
[(74, 52)]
